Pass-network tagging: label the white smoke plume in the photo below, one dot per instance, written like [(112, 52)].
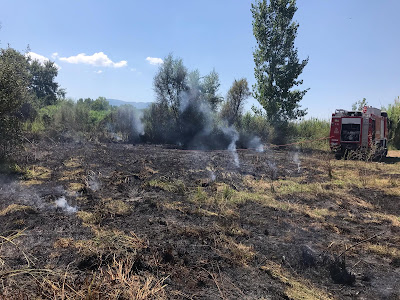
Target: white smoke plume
[(93, 181), (234, 135), (255, 143), (11, 190), (296, 160), (212, 176), (273, 169), (63, 204), (137, 122)]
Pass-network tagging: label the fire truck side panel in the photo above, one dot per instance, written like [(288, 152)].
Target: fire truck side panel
[(366, 129), (336, 126), (380, 129)]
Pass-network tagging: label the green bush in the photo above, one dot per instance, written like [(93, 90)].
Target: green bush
[(122, 123), (312, 132), (257, 125), (14, 92), (159, 124), (393, 111)]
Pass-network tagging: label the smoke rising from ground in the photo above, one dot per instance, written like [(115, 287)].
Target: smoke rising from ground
[(296, 160), (234, 137), (256, 144), (12, 192), (63, 204), (199, 127)]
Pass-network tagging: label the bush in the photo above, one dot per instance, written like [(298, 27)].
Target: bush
[(14, 92), (393, 111), (124, 123), (159, 124), (313, 130), (256, 125)]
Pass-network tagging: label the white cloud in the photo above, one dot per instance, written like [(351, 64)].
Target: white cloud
[(155, 60), (98, 59), (99, 71), (40, 58), (54, 55)]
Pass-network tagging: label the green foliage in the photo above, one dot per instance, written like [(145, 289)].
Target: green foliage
[(14, 84), (209, 88), (313, 128), (68, 116), (170, 82), (185, 104), (100, 104), (305, 130), (233, 107), (393, 111), (159, 124), (359, 105), (125, 122), (313, 131), (277, 66), (257, 125), (43, 84)]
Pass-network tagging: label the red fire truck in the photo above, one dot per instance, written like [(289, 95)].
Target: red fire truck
[(363, 132)]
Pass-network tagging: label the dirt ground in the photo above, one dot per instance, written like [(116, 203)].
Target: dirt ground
[(115, 221)]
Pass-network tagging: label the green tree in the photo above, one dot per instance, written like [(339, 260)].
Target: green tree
[(43, 82), (169, 83), (358, 105), (209, 89), (100, 103), (277, 66), (14, 92), (233, 107)]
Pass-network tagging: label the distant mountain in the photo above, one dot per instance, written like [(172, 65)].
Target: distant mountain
[(137, 105)]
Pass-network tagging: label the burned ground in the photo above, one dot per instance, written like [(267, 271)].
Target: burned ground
[(147, 222)]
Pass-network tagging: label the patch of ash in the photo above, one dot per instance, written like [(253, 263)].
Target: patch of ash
[(12, 192), (93, 182)]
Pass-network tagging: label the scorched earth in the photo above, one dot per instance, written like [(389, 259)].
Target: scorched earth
[(115, 221)]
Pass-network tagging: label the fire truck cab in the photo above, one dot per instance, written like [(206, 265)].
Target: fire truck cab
[(363, 131)]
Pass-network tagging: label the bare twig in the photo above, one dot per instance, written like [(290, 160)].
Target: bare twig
[(363, 241)]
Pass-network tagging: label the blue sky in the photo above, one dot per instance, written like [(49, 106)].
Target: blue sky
[(353, 45)]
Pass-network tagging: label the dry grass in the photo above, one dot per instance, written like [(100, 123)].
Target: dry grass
[(87, 218), (63, 243), (296, 288), (13, 208), (75, 186), (72, 174), (237, 253), (166, 184), (117, 208), (110, 242), (37, 172), (383, 250), (74, 162), (115, 281)]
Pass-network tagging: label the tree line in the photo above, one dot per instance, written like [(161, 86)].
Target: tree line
[(189, 109)]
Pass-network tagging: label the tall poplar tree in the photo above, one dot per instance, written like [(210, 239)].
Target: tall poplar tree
[(277, 66)]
